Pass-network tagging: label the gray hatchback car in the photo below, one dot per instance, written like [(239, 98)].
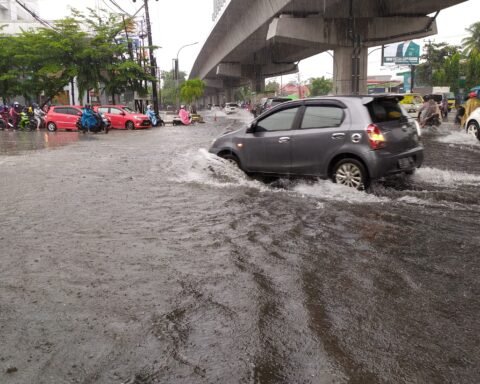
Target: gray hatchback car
[(350, 139)]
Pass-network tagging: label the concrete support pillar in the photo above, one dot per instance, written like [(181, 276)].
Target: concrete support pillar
[(229, 94), (350, 69)]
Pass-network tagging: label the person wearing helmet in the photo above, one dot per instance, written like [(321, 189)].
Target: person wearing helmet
[(15, 114), (38, 114), (472, 103)]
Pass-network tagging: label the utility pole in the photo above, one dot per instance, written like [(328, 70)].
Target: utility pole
[(153, 62)]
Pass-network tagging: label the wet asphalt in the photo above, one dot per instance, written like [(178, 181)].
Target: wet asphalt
[(137, 257)]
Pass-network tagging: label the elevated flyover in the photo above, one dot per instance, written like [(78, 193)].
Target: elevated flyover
[(256, 39)]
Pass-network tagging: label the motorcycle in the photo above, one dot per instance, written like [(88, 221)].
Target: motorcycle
[(27, 122), (5, 122), (432, 121), (102, 124)]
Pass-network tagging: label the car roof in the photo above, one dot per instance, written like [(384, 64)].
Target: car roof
[(365, 99), (66, 106)]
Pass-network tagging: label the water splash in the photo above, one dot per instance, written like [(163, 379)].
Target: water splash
[(459, 138), (445, 178)]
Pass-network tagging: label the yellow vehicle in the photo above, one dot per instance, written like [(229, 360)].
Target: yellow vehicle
[(451, 100), (412, 102)]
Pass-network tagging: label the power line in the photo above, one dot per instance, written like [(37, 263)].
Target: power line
[(120, 8), (35, 16)]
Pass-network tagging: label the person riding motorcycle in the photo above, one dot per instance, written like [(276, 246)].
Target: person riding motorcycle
[(39, 115), (88, 119), (185, 117), (429, 113), (151, 115), (15, 114), (472, 103)]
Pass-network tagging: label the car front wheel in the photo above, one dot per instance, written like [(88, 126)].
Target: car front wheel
[(231, 158), (472, 128), (351, 173), (130, 125), (51, 127)]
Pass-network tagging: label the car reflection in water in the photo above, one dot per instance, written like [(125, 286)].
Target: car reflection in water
[(17, 142)]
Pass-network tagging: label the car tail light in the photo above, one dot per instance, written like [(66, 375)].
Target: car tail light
[(375, 137)]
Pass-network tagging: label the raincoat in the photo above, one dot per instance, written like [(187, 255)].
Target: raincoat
[(184, 116), (471, 104), (151, 115), (89, 120)]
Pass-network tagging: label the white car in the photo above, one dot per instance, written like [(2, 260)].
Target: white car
[(473, 124), (230, 108)]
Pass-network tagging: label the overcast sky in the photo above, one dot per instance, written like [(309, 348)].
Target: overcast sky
[(179, 22)]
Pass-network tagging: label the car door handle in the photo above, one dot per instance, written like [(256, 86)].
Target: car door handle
[(338, 135), (284, 139)]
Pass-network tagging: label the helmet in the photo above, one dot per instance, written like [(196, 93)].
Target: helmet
[(182, 106), (16, 103)]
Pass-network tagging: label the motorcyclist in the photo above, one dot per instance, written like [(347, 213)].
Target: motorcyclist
[(185, 117), (429, 112), (151, 115), (15, 114), (472, 103), (38, 114), (88, 119)]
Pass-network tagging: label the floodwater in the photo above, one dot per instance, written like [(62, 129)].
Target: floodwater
[(137, 257)]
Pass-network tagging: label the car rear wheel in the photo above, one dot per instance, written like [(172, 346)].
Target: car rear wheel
[(51, 127), (472, 128), (351, 173), (129, 125)]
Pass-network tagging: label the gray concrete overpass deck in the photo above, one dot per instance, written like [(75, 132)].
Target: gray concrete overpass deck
[(256, 39)]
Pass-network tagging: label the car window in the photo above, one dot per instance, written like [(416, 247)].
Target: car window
[(73, 111), (103, 110), (385, 110), (418, 100), (115, 111), (61, 110), (129, 110), (321, 117), (279, 121)]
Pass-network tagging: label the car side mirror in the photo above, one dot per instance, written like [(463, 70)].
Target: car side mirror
[(251, 127), (122, 113)]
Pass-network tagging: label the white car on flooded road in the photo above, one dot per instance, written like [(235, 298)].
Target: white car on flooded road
[(230, 108), (472, 126)]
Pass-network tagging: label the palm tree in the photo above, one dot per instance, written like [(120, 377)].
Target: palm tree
[(472, 42)]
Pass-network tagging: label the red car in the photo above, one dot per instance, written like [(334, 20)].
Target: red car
[(123, 117), (63, 117)]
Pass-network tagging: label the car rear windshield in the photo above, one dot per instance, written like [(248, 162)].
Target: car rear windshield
[(383, 110)]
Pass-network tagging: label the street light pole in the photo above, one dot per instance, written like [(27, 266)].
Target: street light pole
[(177, 69), (153, 62)]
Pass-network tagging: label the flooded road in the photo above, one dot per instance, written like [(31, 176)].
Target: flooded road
[(137, 257)]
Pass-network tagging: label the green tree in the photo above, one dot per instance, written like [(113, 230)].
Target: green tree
[(191, 90), (8, 77), (45, 59), (320, 86), (472, 69), (106, 58), (169, 90), (440, 66), (472, 42), (272, 87)]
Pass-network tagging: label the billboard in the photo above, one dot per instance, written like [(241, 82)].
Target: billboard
[(405, 53)]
